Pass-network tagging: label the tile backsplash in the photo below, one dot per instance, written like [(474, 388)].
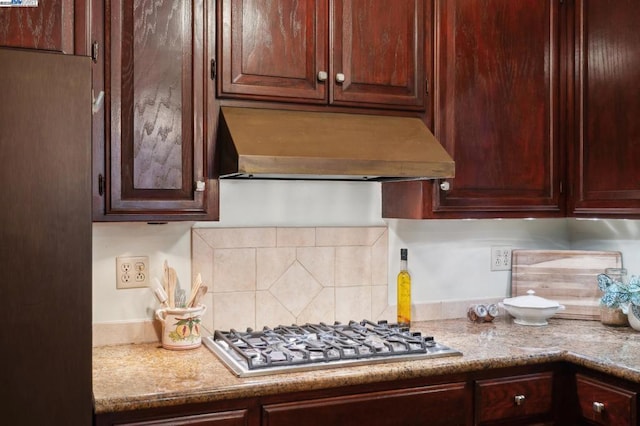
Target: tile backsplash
[(449, 263), (277, 275), (267, 276)]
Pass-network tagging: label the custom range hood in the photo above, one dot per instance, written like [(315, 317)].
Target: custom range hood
[(277, 144)]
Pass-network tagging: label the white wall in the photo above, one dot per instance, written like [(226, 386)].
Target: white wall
[(448, 259), (618, 235), (171, 242), (242, 203), (451, 259)]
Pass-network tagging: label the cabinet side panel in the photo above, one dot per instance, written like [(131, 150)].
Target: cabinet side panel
[(45, 230)]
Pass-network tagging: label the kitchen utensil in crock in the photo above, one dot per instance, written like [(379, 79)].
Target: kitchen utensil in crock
[(159, 292), (171, 288), (195, 287), (181, 298), (202, 290)]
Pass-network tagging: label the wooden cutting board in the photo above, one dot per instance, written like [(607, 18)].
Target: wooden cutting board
[(567, 276)]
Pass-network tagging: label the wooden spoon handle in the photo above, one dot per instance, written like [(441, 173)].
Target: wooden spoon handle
[(172, 288), (202, 290), (194, 290)]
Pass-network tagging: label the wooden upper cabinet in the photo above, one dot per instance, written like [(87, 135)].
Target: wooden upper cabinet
[(607, 138), (497, 108), (368, 54), (158, 146), (272, 50), (55, 25), (377, 52)]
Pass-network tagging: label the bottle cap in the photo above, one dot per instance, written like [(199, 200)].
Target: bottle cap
[(403, 254)]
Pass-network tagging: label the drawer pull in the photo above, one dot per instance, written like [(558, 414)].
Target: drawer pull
[(519, 399), (598, 407)]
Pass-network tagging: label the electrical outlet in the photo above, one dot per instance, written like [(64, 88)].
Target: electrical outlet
[(501, 258), (132, 271)]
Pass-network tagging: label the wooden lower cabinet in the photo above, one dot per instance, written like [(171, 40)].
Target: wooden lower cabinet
[(526, 399), (433, 405), (545, 394), (603, 403), (225, 418)]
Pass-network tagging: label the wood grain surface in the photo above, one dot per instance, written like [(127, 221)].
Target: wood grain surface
[(567, 276)]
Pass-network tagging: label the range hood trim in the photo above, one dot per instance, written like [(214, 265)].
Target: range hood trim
[(278, 144)]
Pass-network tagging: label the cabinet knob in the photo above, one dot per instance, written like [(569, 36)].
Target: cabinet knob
[(519, 399), (445, 186), (340, 77), (322, 76), (598, 407), (200, 186)]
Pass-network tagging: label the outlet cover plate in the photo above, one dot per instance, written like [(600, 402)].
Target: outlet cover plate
[(501, 258), (132, 272)]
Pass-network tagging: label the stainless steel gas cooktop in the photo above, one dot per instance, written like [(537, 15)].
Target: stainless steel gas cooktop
[(317, 346)]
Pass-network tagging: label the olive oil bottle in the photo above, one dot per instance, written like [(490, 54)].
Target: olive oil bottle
[(404, 290)]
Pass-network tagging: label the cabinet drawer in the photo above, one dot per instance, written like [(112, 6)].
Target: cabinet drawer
[(513, 397), (605, 404), (225, 418), (407, 407)]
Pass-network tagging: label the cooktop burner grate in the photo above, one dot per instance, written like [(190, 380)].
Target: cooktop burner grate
[(313, 346)]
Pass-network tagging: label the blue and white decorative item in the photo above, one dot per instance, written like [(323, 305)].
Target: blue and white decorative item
[(620, 293)]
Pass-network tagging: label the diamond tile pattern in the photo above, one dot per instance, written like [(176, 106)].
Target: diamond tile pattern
[(296, 288), (269, 276)]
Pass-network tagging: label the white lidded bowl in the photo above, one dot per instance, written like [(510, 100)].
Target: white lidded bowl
[(531, 309)]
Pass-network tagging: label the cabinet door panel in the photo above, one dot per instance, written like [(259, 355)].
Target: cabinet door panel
[(273, 50), (156, 121), (379, 48), (406, 407), (226, 418), (618, 405), (607, 108), (514, 398), (497, 106), (49, 26)]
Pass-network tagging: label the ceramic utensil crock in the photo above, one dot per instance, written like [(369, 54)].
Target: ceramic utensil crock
[(181, 327)]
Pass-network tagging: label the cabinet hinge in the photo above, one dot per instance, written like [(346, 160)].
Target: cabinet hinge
[(213, 69), (95, 51), (100, 185)]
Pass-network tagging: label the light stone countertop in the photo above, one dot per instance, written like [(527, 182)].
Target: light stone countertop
[(128, 377)]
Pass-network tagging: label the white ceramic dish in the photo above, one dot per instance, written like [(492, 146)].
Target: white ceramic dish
[(634, 317), (531, 309)]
